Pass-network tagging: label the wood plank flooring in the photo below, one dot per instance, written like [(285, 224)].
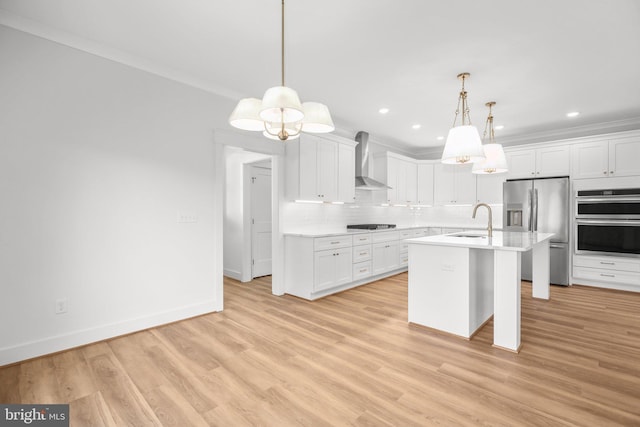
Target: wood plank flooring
[(351, 359)]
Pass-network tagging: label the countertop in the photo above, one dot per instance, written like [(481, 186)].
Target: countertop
[(343, 231), (501, 240)]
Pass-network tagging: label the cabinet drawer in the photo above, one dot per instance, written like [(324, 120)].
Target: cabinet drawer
[(420, 232), (406, 234), (333, 242), (361, 253), (601, 275), (385, 236), (361, 270), (404, 247), (404, 259), (361, 239), (604, 263)]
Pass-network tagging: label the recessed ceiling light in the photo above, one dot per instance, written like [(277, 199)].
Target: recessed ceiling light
[(499, 127), (573, 114), (416, 126), (383, 110), (440, 138)]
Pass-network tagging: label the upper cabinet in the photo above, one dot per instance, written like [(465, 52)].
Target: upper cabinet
[(602, 159), (401, 174), (346, 173), (425, 183), (489, 188), (454, 184), (320, 169), (539, 162)]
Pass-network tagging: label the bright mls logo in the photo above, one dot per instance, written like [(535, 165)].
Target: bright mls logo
[(34, 415)]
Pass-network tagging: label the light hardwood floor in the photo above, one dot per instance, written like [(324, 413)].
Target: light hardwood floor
[(351, 359)]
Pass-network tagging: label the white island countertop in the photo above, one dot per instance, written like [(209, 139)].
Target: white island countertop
[(501, 240)]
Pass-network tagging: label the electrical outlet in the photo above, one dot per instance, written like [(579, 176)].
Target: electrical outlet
[(62, 305), (186, 217)]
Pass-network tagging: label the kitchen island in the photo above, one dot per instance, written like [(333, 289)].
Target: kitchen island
[(457, 282)]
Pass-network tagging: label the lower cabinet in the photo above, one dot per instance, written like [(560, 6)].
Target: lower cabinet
[(606, 271), (386, 251), (385, 256), (319, 266), (331, 268)]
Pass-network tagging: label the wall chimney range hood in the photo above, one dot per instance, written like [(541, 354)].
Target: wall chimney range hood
[(363, 182)]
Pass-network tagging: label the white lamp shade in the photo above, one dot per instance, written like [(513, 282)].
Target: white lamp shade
[(246, 115), (281, 104), (495, 160), (463, 146), (316, 118)]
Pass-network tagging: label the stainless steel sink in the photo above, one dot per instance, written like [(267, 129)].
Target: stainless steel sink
[(472, 235)]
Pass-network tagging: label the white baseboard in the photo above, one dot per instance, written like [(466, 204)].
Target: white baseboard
[(233, 274), (29, 350)]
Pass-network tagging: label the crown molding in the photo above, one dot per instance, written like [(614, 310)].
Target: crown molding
[(38, 29), (568, 135)]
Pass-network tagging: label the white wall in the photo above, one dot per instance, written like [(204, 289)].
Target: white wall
[(96, 161), (234, 211)]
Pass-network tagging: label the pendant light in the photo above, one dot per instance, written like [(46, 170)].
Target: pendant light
[(280, 115), (463, 142), (495, 160)]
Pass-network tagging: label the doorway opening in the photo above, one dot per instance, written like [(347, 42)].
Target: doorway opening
[(247, 214)]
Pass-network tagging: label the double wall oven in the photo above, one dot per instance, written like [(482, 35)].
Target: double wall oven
[(608, 222)]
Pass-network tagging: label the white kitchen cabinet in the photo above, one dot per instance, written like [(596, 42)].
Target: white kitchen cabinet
[(453, 184), (400, 173), (607, 271), (522, 164), (320, 266), (332, 267), (424, 183), (385, 251), (489, 188), (608, 158), (539, 162), (346, 173), (320, 169), (386, 256)]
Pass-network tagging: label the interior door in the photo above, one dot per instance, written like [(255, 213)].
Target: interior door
[(260, 221)]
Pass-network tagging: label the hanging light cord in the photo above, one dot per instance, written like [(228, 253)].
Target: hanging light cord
[(466, 118), (489, 125), (282, 43)]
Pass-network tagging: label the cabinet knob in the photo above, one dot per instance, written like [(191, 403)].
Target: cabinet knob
[(533, 173), (610, 172), (538, 173), (604, 172)]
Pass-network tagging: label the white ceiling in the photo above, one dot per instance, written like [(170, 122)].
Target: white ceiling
[(537, 59)]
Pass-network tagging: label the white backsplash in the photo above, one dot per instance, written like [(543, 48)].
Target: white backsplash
[(300, 217)]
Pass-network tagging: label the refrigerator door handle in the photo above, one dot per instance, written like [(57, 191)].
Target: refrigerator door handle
[(535, 207), (530, 197), (556, 246)]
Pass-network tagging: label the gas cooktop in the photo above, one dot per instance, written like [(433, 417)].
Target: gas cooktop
[(370, 226)]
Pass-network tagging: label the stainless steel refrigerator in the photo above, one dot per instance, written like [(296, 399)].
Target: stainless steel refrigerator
[(540, 205)]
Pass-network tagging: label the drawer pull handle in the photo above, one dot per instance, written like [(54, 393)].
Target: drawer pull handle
[(607, 275), (363, 253), (334, 243), (363, 270), (607, 263)]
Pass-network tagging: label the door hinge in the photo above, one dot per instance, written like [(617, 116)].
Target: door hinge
[(253, 262), (253, 179), (253, 221)]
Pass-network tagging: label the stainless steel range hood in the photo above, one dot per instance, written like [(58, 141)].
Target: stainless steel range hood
[(363, 182)]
